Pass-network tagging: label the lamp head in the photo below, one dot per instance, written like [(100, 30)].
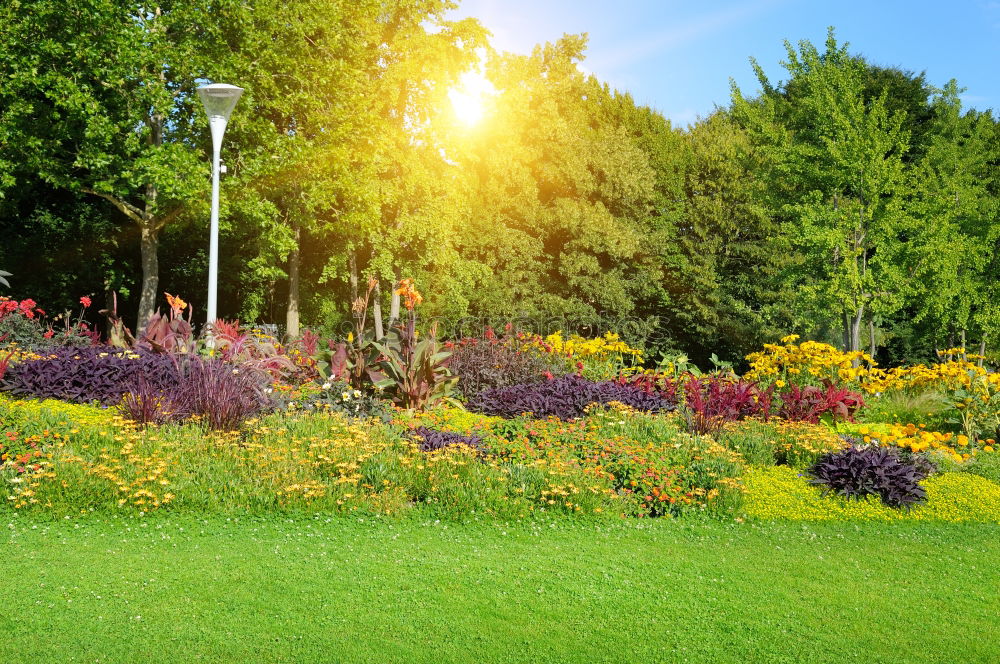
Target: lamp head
[(219, 99)]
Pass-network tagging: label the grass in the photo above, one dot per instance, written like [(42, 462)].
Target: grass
[(351, 589)]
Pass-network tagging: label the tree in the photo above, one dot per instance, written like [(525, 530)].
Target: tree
[(838, 175), (557, 192), (726, 286), (952, 187), (99, 100)]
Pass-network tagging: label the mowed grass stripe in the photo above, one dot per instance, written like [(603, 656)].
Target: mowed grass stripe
[(173, 589)]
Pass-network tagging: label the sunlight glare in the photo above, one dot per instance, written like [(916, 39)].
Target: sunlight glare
[(467, 98)]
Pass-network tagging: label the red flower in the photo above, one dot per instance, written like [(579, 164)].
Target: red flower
[(85, 301), (548, 375), (26, 307), (48, 334)]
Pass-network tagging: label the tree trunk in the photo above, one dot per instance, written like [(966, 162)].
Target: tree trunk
[(962, 338), (871, 339), (846, 331), (109, 305), (352, 267), (853, 324), (982, 351), (149, 241), (394, 305), (292, 315), (377, 312)]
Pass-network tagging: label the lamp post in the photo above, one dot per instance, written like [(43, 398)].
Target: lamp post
[(219, 100)]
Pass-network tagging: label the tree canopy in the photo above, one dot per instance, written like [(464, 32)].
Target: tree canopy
[(851, 202)]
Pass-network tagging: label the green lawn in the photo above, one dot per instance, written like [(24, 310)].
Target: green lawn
[(173, 589)]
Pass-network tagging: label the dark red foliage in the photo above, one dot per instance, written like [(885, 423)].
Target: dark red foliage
[(665, 387), (872, 471), (310, 343), (808, 404), (493, 362), (710, 402), (223, 395), (81, 375)]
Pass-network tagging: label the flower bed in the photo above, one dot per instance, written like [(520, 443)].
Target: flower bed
[(524, 425)]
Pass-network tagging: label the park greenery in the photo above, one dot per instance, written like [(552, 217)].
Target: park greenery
[(849, 202), (379, 147), (486, 323)]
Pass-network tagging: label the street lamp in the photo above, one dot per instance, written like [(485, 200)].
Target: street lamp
[(219, 100)]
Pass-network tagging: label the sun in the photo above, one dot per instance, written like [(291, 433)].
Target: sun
[(468, 97)]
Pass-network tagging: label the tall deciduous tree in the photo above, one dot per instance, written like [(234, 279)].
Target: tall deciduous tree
[(98, 99), (838, 165), (952, 186)]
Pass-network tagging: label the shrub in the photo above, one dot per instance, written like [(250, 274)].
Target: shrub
[(810, 403), (493, 362), (82, 375), (713, 401), (565, 398), (431, 439), (871, 471), (332, 396), (220, 394)]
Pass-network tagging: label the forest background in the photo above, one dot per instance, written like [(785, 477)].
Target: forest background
[(844, 200)]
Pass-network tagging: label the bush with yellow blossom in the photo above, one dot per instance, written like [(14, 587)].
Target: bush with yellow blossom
[(598, 358)]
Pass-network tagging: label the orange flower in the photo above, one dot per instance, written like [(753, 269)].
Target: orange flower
[(407, 289), (176, 303)]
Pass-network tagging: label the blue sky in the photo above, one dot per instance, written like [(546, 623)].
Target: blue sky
[(678, 56)]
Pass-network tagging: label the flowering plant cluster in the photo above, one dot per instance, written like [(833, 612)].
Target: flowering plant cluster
[(26, 308), (651, 467), (553, 424), (808, 362), (812, 362), (599, 358), (25, 324), (916, 438)]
